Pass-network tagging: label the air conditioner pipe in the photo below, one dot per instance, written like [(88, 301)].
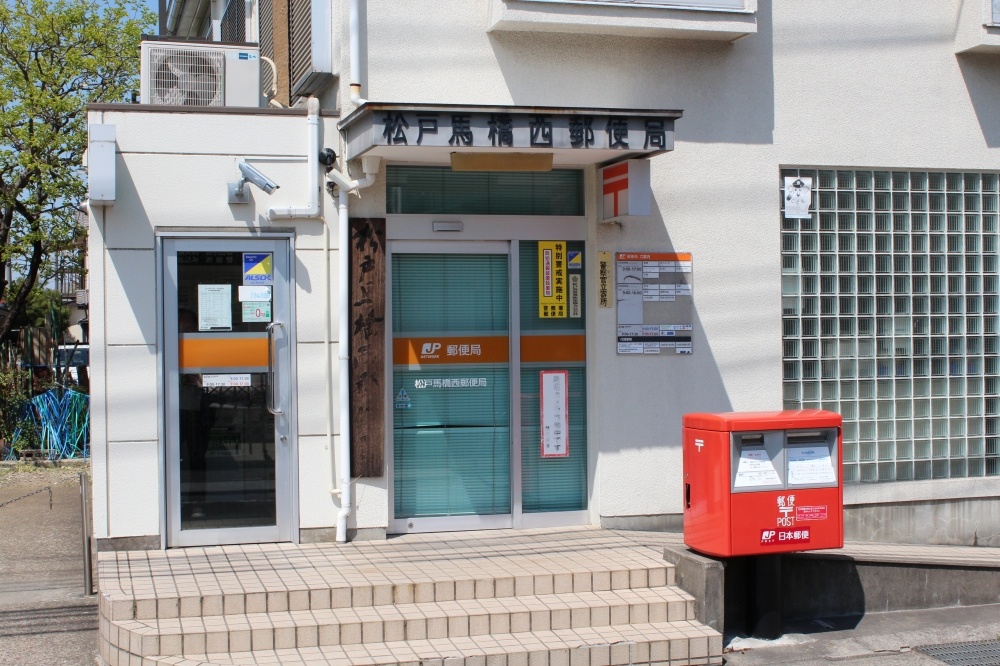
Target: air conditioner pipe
[(248, 23), (311, 209), (346, 186)]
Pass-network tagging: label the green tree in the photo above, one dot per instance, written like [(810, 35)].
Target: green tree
[(14, 394), (55, 58), (43, 308)]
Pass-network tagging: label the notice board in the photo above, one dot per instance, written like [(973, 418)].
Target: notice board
[(654, 302)]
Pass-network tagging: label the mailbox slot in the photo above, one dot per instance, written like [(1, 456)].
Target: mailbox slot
[(757, 461), (811, 459)]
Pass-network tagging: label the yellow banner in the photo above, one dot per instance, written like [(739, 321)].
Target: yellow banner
[(552, 280)]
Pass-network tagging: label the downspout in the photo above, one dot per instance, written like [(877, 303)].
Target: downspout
[(248, 23), (355, 40), (311, 209), (371, 166), (346, 186)]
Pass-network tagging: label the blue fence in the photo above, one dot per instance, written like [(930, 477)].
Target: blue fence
[(61, 420)]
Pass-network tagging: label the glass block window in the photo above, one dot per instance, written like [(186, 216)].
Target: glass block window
[(890, 298)]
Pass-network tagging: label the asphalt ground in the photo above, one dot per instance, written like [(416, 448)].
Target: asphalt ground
[(45, 618), (875, 639)]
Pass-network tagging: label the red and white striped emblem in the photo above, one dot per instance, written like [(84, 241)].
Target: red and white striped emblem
[(625, 189)]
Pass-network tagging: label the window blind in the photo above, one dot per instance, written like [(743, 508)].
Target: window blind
[(551, 484), (452, 443), (439, 190)]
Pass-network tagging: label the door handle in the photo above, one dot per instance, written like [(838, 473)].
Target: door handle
[(271, 406)]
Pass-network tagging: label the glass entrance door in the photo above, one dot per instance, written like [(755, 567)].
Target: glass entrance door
[(228, 370), (451, 388)]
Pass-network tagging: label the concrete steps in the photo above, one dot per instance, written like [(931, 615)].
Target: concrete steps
[(675, 643), (404, 622), (614, 603)]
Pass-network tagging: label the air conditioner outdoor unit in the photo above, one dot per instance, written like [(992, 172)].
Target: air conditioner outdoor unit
[(199, 74)]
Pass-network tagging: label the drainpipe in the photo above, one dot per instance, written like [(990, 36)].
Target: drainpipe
[(249, 34), (311, 209), (370, 165), (355, 40), (346, 186)]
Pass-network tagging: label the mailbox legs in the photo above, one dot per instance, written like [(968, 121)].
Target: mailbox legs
[(764, 616)]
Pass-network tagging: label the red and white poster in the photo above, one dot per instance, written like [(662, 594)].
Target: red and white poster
[(554, 390)]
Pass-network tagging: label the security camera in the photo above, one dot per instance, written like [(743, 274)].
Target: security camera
[(340, 180), (237, 191), (327, 157), (257, 178)]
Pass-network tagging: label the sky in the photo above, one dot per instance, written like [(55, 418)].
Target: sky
[(154, 6)]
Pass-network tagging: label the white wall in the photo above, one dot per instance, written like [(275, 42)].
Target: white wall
[(820, 83), (824, 83), (171, 173)]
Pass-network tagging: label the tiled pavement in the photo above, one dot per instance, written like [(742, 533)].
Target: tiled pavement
[(552, 597)]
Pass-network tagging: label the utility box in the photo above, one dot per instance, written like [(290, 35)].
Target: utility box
[(760, 483)]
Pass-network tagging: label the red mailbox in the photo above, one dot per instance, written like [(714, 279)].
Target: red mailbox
[(759, 483)]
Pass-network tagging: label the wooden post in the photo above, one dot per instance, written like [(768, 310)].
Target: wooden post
[(367, 267)]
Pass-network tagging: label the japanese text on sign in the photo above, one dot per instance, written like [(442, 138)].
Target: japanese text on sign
[(256, 311), (555, 413), (465, 129), (653, 293), (755, 469), (786, 505), (811, 465), (214, 309), (450, 382), (769, 537), (225, 381), (603, 279), (552, 282)]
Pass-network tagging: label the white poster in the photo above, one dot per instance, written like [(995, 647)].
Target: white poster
[(755, 469), (555, 413), (214, 310), (225, 381), (255, 293), (798, 194), (810, 465), (653, 297), (629, 304)]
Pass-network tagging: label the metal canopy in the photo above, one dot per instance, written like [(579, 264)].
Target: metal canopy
[(428, 133)]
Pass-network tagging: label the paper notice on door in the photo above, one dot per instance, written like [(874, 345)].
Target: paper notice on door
[(755, 469), (214, 310), (225, 381), (810, 465), (555, 413), (256, 311), (252, 293)]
